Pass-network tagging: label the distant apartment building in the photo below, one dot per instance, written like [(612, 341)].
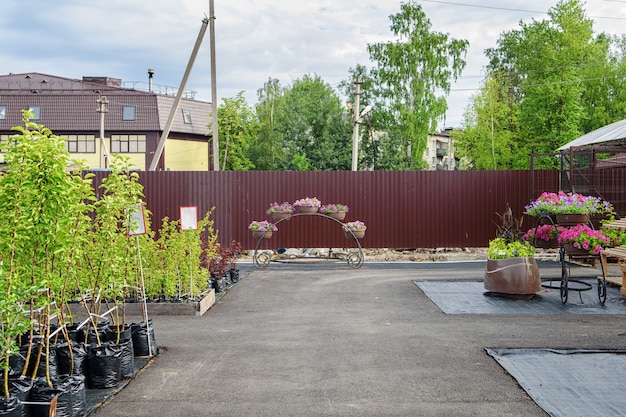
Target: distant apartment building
[(439, 153), (133, 123)]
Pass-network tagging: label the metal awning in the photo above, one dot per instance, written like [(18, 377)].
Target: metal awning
[(609, 133)]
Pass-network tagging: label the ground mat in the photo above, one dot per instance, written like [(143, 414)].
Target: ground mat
[(470, 297), (569, 383)]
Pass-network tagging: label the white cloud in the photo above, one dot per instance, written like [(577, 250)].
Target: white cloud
[(255, 40)]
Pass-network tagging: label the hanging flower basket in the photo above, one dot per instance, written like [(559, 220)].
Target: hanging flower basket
[(338, 216), (280, 211), (583, 240), (546, 244), (357, 228), (572, 250), (359, 234), (568, 203), (262, 229), (307, 205), (544, 236), (336, 211), (280, 216), (307, 209), (571, 219), (262, 234)]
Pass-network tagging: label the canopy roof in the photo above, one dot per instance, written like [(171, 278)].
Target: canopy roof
[(609, 133)]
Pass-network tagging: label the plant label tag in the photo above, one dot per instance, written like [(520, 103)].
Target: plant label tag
[(189, 218), (136, 220)]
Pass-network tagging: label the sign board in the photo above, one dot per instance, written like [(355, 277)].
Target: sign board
[(189, 218), (136, 220)]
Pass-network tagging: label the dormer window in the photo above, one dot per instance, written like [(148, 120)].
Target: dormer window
[(187, 117), (128, 113), (36, 111)]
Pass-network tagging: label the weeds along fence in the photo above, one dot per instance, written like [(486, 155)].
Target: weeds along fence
[(402, 209)]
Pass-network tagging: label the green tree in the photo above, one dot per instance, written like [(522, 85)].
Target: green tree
[(487, 140), (315, 130), (408, 74), (238, 127), (266, 150), (604, 95), (565, 81)]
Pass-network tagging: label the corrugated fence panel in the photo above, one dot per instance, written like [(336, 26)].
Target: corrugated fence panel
[(402, 209)]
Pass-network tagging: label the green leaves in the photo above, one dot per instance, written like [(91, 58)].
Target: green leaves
[(408, 76)]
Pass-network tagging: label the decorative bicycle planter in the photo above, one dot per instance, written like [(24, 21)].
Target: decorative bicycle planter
[(354, 259), (567, 252)]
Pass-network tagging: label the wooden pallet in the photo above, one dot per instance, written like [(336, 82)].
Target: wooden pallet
[(619, 253)]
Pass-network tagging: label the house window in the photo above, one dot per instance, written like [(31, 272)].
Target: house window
[(81, 144), (128, 113), (36, 110), (128, 143), (187, 117), (3, 112)]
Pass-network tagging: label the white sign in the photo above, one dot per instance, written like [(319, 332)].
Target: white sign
[(136, 220), (189, 218)]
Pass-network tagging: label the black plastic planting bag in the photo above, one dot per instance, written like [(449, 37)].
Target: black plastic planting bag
[(124, 332), (19, 386), (72, 362), (128, 359), (140, 339), (76, 386), (18, 362), (104, 365), (11, 407), (44, 394), (234, 275)]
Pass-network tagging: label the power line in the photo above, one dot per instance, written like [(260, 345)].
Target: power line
[(515, 10)]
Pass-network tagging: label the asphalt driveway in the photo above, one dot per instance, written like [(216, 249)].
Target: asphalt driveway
[(327, 340)]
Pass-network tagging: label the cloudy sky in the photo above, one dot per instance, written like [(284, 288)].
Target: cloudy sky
[(255, 39)]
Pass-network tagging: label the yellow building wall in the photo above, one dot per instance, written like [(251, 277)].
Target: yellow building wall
[(180, 155), (186, 155), (92, 160)]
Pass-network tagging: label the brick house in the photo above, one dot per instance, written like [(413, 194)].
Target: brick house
[(133, 122)]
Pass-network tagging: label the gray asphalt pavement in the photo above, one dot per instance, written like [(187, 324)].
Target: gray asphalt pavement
[(327, 340)]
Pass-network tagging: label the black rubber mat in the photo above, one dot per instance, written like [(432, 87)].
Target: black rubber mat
[(569, 383), (470, 297)]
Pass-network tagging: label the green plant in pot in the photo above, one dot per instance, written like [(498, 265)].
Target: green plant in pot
[(511, 268), (43, 203)]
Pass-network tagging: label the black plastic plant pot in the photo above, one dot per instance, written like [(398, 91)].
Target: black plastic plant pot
[(11, 407), (104, 365), (141, 344)]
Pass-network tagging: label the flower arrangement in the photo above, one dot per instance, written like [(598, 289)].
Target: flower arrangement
[(616, 236), (584, 237), (284, 207), (567, 203), (499, 248), (509, 241), (545, 232), (334, 208), (307, 202), (262, 226), (355, 226)]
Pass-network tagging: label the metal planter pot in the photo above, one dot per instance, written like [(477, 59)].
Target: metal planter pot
[(515, 276)]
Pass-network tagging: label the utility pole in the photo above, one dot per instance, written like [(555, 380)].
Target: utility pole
[(357, 116), (179, 94), (104, 155), (216, 148)]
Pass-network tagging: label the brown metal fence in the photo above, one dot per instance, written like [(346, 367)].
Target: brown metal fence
[(402, 209)]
